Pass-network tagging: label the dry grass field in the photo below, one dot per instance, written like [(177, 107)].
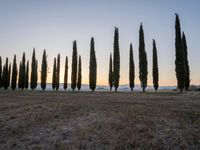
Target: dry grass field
[(99, 120)]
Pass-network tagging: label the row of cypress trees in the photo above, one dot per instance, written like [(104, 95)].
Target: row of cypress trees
[(181, 62)]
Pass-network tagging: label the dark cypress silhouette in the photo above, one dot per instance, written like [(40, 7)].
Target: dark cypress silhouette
[(19, 77), (33, 71), (9, 74), (110, 76), (14, 74), (79, 81), (1, 73), (131, 69), (44, 71), (27, 76), (143, 71), (23, 71), (180, 66), (116, 59), (155, 67), (54, 75), (66, 73), (58, 73), (5, 75), (93, 66), (187, 68), (74, 66)]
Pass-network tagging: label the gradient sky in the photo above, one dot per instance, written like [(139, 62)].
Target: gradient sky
[(54, 24)]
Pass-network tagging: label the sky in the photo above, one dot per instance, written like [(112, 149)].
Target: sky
[(54, 24)]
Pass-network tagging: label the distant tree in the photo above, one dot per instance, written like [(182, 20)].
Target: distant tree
[(14, 74), (44, 71), (143, 71), (187, 68), (23, 71), (27, 75), (33, 81), (79, 81), (110, 78), (74, 66), (155, 67), (9, 74), (54, 75), (93, 66), (1, 73), (116, 59), (58, 72), (19, 77), (5, 75), (131, 69), (180, 66), (66, 73)]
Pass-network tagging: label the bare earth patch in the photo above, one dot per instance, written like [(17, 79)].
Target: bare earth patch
[(99, 120)]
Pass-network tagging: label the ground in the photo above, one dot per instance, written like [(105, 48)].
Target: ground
[(99, 120)]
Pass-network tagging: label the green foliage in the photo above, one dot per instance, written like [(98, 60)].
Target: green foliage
[(19, 77), (23, 72), (1, 73), (66, 73), (9, 74), (5, 75), (92, 66), (74, 66), (54, 75), (155, 67), (79, 74), (14, 74), (110, 76), (116, 59), (143, 71), (33, 71), (131, 69), (44, 71), (27, 75), (58, 73)]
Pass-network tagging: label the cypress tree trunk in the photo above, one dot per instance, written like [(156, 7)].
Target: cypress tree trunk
[(74, 66), (9, 74), (66, 73), (58, 73), (54, 75), (1, 84), (27, 75), (92, 67), (14, 74), (44, 71), (116, 59), (110, 76), (19, 78), (33, 71), (23, 72), (131, 69), (5, 75), (155, 67), (143, 71), (79, 74), (187, 68)]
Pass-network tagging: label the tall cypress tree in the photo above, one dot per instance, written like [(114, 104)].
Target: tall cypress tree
[(116, 59), (131, 69), (44, 71), (155, 67), (14, 74), (1, 81), (79, 81), (27, 75), (66, 73), (187, 68), (5, 75), (143, 71), (93, 66), (9, 74), (54, 75), (110, 76), (180, 63), (19, 77), (23, 71), (33, 71), (58, 72), (74, 66)]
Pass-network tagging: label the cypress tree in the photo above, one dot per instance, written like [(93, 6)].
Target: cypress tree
[(93, 66), (23, 71), (1, 82), (74, 66), (33, 81), (66, 73), (19, 77), (155, 67), (180, 66), (131, 69), (110, 78), (9, 74), (27, 75), (79, 81), (14, 74), (116, 59), (187, 68), (36, 74), (44, 71), (5, 75), (58, 72), (143, 71), (54, 75)]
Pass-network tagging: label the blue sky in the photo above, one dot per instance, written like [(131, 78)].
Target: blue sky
[(53, 25)]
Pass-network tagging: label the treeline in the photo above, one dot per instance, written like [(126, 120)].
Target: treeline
[(20, 75)]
